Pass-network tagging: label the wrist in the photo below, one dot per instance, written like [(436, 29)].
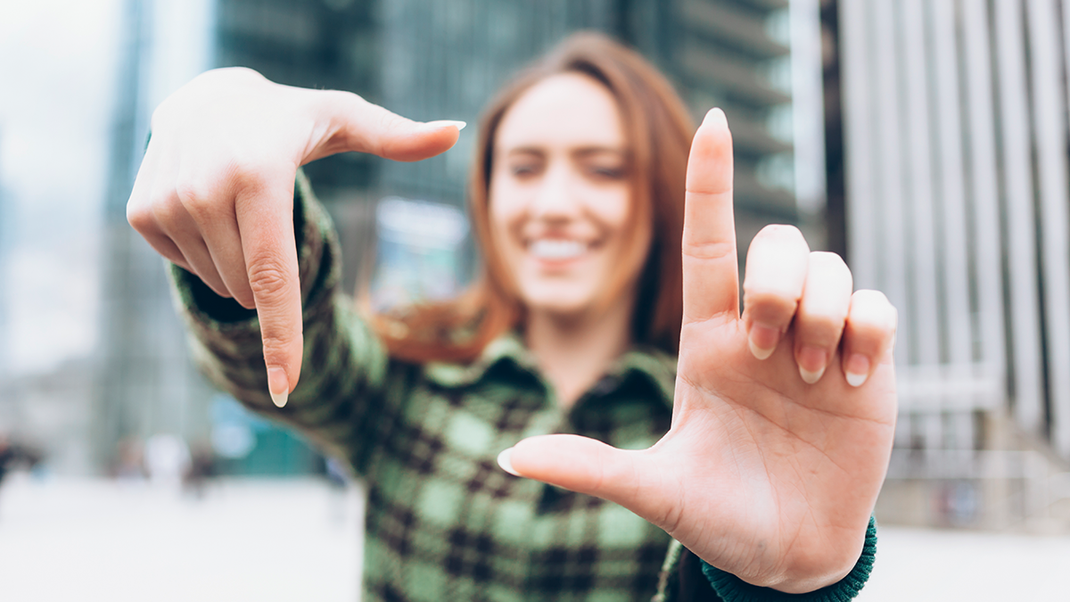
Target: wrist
[(810, 587)]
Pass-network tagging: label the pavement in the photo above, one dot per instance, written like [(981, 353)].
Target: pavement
[(87, 540), (65, 539)]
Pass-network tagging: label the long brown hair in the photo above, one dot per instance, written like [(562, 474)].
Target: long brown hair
[(659, 129)]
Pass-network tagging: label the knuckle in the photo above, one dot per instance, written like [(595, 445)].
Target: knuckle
[(268, 279), (769, 291), (872, 300), (872, 314), (708, 250), (391, 128), (278, 341), (166, 210), (247, 175), (196, 199), (785, 232), (823, 320), (139, 216), (770, 310), (829, 260)]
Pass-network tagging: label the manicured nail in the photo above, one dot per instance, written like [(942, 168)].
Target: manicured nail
[(458, 124), (857, 369), (278, 386), (763, 340), (812, 363), (715, 114), (504, 460)]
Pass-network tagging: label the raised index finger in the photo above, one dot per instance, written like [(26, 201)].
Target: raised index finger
[(709, 241)]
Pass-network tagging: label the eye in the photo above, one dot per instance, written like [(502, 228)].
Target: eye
[(524, 169), (607, 172)]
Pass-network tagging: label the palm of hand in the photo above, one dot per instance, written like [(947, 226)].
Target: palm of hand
[(772, 466), (784, 469)]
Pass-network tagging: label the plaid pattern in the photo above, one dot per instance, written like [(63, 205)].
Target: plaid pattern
[(444, 522)]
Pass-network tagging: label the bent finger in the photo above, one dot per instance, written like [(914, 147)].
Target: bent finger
[(172, 220), (822, 313), (210, 208), (777, 264), (167, 249), (869, 335), (225, 246), (203, 266)]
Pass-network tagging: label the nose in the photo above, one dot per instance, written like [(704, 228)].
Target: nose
[(555, 198)]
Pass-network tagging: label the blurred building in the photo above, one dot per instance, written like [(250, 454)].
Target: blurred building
[(426, 60), (443, 60), (956, 138), (146, 384)]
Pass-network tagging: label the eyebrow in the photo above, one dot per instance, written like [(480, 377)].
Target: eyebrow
[(583, 151)]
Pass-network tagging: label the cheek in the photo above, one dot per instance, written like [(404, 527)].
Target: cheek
[(501, 213), (612, 207)]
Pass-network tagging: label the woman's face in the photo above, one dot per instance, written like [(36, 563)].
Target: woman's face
[(561, 198)]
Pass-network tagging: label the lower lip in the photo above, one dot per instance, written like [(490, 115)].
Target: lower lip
[(558, 263)]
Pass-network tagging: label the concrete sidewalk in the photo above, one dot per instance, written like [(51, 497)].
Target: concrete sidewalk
[(267, 540), (920, 564), (90, 540)]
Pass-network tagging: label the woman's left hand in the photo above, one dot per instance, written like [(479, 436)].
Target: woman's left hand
[(784, 417)]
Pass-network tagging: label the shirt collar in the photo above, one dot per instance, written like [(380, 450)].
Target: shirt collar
[(649, 363)]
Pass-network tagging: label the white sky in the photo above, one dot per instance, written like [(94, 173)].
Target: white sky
[(58, 61)]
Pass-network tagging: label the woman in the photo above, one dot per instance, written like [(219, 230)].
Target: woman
[(761, 449)]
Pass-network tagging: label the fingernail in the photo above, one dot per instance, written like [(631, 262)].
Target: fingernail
[(278, 386), (812, 363), (505, 461), (857, 369), (458, 124), (715, 114), (763, 340)]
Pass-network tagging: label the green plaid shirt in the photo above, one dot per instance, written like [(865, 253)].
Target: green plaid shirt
[(444, 522)]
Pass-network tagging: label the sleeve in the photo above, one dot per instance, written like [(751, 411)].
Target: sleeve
[(687, 578), (344, 370)]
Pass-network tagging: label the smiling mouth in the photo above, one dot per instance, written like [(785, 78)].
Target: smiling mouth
[(557, 249)]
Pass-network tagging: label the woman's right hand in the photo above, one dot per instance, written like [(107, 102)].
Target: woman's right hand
[(214, 193)]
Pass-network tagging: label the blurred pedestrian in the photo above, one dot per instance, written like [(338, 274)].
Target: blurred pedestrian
[(15, 455), (128, 463), (749, 448), (202, 468), (167, 459)]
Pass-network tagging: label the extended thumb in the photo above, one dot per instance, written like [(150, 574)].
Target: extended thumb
[(588, 466)]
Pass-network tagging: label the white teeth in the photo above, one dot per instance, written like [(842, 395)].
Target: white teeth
[(551, 248)]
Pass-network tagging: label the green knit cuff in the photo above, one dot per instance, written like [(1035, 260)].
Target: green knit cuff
[(733, 589)]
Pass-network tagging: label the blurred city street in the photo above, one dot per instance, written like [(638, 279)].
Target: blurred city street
[(298, 539), (265, 540)]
